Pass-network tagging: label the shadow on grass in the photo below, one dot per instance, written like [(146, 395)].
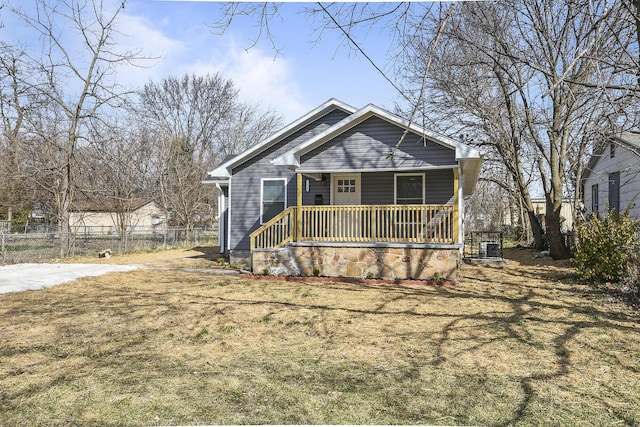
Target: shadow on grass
[(210, 253), (526, 309)]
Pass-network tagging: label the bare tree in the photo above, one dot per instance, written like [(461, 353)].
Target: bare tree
[(15, 188), (75, 76), (536, 81), (197, 121), (246, 127), (117, 171)]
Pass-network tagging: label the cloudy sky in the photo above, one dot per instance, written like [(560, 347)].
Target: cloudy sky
[(308, 69)]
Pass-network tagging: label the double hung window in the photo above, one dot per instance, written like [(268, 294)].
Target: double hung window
[(409, 189), (273, 198)]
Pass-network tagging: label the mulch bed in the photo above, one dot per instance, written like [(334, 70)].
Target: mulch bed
[(322, 279)]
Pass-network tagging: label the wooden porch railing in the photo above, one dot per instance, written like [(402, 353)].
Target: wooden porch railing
[(371, 223), (278, 231), (387, 223)]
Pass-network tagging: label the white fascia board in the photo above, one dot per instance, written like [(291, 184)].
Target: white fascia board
[(225, 168), (288, 159), (215, 181), (220, 172), (365, 170), (291, 158)]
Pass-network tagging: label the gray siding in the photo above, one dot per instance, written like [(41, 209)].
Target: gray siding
[(246, 179), (366, 146), (377, 188), (321, 188), (439, 185)]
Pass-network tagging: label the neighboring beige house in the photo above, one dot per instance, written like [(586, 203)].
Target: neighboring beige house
[(612, 177), (566, 212), (540, 207), (101, 217)]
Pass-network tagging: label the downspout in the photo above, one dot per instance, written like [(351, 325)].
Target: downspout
[(228, 224), (221, 222), (298, 231)]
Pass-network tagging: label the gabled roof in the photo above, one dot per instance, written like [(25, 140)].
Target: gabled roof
[(292, 157), (627, 139), (469, 157), (223, 171)]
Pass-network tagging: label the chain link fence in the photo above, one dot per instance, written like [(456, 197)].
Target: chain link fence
[(39, 247)]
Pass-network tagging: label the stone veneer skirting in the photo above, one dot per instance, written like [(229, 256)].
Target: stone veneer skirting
[(378, 261)]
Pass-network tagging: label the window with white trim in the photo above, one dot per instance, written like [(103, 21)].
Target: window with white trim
[(409, 189), (272, 198)]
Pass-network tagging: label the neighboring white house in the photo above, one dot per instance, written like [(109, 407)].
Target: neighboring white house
[(103, 218), (612, 177)]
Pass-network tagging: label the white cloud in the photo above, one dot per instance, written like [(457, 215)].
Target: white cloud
[(138, 33), (261, 78)]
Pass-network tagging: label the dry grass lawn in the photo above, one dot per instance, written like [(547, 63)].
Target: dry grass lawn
[(518, 344)]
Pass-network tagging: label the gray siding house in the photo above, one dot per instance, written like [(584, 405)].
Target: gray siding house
[(612, 176), (331, 194)]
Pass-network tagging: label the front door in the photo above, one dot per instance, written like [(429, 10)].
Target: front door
[(346, 189), (346, 224)]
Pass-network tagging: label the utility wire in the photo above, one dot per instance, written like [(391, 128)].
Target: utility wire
[(424, 79), (384, 75), (357, 46)]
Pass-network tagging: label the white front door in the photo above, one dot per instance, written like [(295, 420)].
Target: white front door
[(346, 189), (345, 224)]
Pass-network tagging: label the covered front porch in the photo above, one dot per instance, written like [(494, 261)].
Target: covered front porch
[(421, 224), (390, 241)]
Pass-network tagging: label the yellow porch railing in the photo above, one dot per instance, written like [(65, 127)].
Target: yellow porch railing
[(370, 223), (278, 231)]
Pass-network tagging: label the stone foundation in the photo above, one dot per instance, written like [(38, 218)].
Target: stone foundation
[(391, 262)]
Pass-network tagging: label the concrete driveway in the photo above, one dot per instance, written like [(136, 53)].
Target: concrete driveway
[(23, 277)]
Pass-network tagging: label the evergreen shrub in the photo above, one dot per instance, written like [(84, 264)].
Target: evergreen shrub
[(604, 247)]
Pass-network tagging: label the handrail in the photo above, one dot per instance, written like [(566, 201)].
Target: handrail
[(276, 232), (359, 223)]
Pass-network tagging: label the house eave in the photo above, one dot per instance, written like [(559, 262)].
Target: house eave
[(223, 181), (367, 170), (470, 174), (629, 140)]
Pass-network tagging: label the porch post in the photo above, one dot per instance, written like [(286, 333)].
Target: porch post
[(456, 206), (299, 207)]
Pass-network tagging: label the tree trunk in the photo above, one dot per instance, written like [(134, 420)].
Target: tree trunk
[(536, 230), (65, 208), (557, 248)]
